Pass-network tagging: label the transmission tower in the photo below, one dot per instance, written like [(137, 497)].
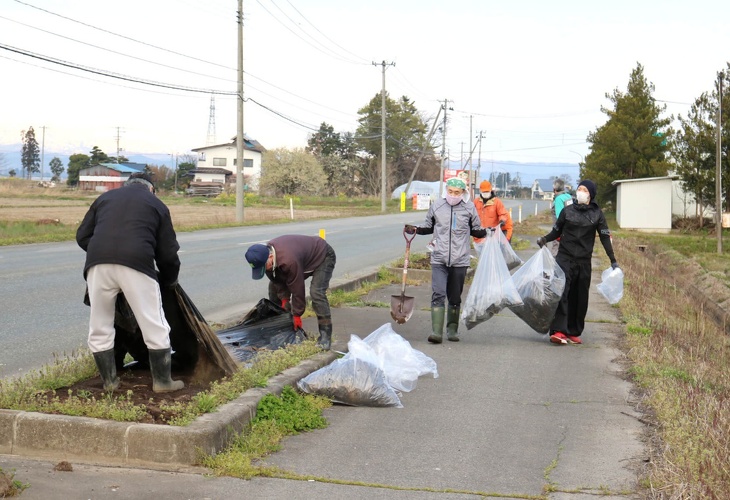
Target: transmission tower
[(211, 123)]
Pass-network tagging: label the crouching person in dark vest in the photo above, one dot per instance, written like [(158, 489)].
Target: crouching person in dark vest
[(288, 261)]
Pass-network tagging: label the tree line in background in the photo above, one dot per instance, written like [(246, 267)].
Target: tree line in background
[(636, 141)]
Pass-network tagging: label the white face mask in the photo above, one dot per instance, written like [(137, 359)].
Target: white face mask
[(582, 197)]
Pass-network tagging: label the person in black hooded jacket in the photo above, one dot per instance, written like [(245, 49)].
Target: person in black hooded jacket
[(124, 234), (576, 227)]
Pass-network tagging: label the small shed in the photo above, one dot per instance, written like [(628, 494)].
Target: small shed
[(645, 204), (106, 176)]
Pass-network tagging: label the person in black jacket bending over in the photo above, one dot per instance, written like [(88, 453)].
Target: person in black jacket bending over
[(124, 233), (576, 227), (289, 260)]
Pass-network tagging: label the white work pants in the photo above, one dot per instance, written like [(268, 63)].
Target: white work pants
[(105, 281)]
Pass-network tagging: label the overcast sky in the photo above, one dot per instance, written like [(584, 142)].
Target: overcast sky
[(531, 75)]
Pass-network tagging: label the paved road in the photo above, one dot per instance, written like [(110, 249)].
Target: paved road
[(41, 286), (510, 416)]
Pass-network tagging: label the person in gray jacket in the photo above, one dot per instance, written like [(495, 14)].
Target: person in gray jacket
[(452, 221)]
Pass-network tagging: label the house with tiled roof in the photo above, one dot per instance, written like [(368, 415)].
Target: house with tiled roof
[(106, 176), (217, 163)]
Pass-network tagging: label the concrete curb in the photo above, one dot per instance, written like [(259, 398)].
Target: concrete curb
[(91, 440)]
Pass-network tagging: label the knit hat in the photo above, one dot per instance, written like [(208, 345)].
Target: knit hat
[(457, 183), (485, 186), (257, 255), (590, 186)]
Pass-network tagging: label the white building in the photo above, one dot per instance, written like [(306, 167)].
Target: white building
[(214, 161), (648, 204)]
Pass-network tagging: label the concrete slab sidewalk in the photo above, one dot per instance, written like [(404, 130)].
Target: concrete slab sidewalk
[(510, 415)]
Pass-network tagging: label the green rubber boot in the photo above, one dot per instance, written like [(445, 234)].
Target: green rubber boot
[(437, 325), (160, 366), (107, 369), (452, 323)]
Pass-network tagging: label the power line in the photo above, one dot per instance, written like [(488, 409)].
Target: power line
[(110, 74)]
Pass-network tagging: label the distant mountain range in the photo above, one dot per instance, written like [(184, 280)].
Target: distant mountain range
[(527, 172)]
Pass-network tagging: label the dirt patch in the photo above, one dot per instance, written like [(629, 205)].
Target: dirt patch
[(137, 384)]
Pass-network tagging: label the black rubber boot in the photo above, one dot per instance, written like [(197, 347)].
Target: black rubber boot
[(107, 366), (325, 337), (160, 366), (452, 323), (437, 325)]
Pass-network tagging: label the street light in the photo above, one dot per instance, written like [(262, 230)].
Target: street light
[(581, 156)]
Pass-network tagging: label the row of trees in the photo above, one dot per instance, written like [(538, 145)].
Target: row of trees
[(637, 141), (346, 163)]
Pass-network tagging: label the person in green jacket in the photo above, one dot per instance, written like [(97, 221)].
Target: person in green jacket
[(560, 200)]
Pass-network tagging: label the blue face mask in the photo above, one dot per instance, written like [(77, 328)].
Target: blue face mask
[(453, 200)]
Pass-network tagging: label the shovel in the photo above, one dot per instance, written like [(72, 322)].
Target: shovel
[(401, 306)]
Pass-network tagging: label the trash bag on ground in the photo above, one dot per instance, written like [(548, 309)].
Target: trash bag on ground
[(355, 379), (510, 256), (612, 285), (492, 288), (540, 283), (401, 363), (265, 327)]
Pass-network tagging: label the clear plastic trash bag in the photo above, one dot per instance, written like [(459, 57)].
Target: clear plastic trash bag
[(492, 288), (401, 363), (510, 256), (540, 283), (355, 379), (612, 285)]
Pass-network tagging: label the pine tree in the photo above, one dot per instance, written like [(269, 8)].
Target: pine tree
[(30, 157), (633, 143)]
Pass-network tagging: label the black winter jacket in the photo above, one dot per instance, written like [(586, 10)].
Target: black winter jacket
[(576, 227), (132, 227)]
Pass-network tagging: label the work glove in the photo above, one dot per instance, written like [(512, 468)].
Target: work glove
[(541, 241), (409, 229), (614, 265), (284, 303), (298, 323), (502, 222)]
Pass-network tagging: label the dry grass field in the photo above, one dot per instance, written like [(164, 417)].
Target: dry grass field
[(22, 201)]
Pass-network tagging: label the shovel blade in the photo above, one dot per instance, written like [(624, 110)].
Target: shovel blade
[(401, 308)]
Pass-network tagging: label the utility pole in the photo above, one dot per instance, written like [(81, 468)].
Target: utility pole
[(718, 174), (118, 150), (479, 158), (239, 128), (43, 150), (382, 138), (444, 157), (470, 186), (175, 173)]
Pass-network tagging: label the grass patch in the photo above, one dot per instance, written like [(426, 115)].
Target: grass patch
[(681, 358), (36, 391), (276, 418), (20, 233)]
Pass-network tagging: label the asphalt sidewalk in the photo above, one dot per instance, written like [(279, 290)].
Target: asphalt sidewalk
[(509, 416)]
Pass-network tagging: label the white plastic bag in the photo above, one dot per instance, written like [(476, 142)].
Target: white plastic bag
[(612, 285), (492, 288), (401, 363), (540, 283)]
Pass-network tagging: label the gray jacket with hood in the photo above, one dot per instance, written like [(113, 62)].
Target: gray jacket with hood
[(452, 228)]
